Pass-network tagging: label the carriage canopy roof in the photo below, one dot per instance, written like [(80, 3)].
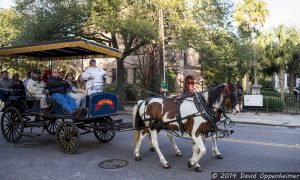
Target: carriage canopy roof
[(61, 50)]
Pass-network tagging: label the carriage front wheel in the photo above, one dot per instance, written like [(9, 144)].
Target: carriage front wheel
[(68, 137), (103, 131), (12, 124)]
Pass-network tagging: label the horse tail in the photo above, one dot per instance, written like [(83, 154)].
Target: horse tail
[(137, 121)]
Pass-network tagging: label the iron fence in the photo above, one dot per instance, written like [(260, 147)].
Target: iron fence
[(273, 102)]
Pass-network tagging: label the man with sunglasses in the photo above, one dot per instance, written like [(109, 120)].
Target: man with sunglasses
[(58, 90)]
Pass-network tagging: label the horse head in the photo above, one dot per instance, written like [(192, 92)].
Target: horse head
[(231, 100)]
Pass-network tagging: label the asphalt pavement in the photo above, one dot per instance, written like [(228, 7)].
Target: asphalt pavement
[(250, 148)]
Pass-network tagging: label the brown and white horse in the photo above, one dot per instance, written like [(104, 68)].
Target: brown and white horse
[(149, 117)]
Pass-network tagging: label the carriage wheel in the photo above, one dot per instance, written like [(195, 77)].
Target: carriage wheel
[(68, 137), (12, 124), (104, 135), (52, 125)]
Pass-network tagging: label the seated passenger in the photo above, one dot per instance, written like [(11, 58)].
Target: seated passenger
[(5, 84), (58, 90), (36, 88), (46, 75), (80, 84), (28, 77), (17, 83), (75, 93)]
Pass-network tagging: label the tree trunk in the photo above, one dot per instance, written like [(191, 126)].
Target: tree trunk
[(292, 82), (281, 80), (292, 74), (120, 82), (247, 83)]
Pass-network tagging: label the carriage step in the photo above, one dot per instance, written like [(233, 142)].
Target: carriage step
[(31, 135)]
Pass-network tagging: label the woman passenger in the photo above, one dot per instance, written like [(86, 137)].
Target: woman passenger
[(75, 93)]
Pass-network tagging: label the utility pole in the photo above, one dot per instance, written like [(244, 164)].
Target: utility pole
[(162, 39)]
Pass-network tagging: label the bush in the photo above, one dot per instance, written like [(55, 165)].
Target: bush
[(272, 103), (130, 92)]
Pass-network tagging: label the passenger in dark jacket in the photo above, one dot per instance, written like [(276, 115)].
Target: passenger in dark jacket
[(58, 91)]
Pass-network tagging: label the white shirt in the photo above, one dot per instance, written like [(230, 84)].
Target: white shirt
[(97, 74)]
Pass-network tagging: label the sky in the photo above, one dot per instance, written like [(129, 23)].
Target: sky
[(280, 12)]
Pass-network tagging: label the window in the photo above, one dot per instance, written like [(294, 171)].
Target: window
[(113, 76), (185, 59)]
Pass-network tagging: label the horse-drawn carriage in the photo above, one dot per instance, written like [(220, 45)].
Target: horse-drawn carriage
[(23, 112)]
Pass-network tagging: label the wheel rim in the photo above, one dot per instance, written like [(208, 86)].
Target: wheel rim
[(12, 125), (68, 137), (105, 135), (52, 125)]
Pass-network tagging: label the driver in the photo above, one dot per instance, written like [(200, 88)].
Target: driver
[(95, 77)]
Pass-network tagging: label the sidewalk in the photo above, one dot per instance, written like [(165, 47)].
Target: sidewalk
[(269, 119)]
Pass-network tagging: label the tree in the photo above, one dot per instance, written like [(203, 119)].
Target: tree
[(222, 54), (250, 15), (280, 46), (114, 22)]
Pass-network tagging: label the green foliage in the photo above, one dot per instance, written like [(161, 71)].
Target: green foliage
[(8, 27), (50, 20), (250, 14), (131, 93), (223, 55), (272, 103)]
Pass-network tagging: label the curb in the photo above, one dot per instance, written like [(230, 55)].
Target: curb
[(267, 124)]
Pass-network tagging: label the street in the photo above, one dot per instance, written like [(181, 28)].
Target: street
[(250, 148)]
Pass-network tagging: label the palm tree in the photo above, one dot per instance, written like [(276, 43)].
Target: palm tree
[(281, 46), (250, 15)]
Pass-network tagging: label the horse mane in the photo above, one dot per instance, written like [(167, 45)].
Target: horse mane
[(214, 94)]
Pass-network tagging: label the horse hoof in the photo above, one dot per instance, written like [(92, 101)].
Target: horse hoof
[(152, 149), (219, 156), (189, 164), (179, 154), (138, 158), (166, 166), (198, 169)]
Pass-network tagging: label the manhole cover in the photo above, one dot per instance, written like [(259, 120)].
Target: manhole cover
[(25, 145), (113, 164)]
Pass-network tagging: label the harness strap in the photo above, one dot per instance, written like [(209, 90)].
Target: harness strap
[(178, 116)]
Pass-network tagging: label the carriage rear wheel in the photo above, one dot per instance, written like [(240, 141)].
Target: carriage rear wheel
[(68, 137), (52, 125), (12, 124), (103, 131)]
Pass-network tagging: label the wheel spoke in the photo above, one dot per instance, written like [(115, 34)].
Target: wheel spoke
[(9, 134)]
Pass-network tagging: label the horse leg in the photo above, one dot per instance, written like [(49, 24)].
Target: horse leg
[(214, 146), (170, 136), (152, 149), (199, 145), (137, 149), (162, 159), (194, 153)]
